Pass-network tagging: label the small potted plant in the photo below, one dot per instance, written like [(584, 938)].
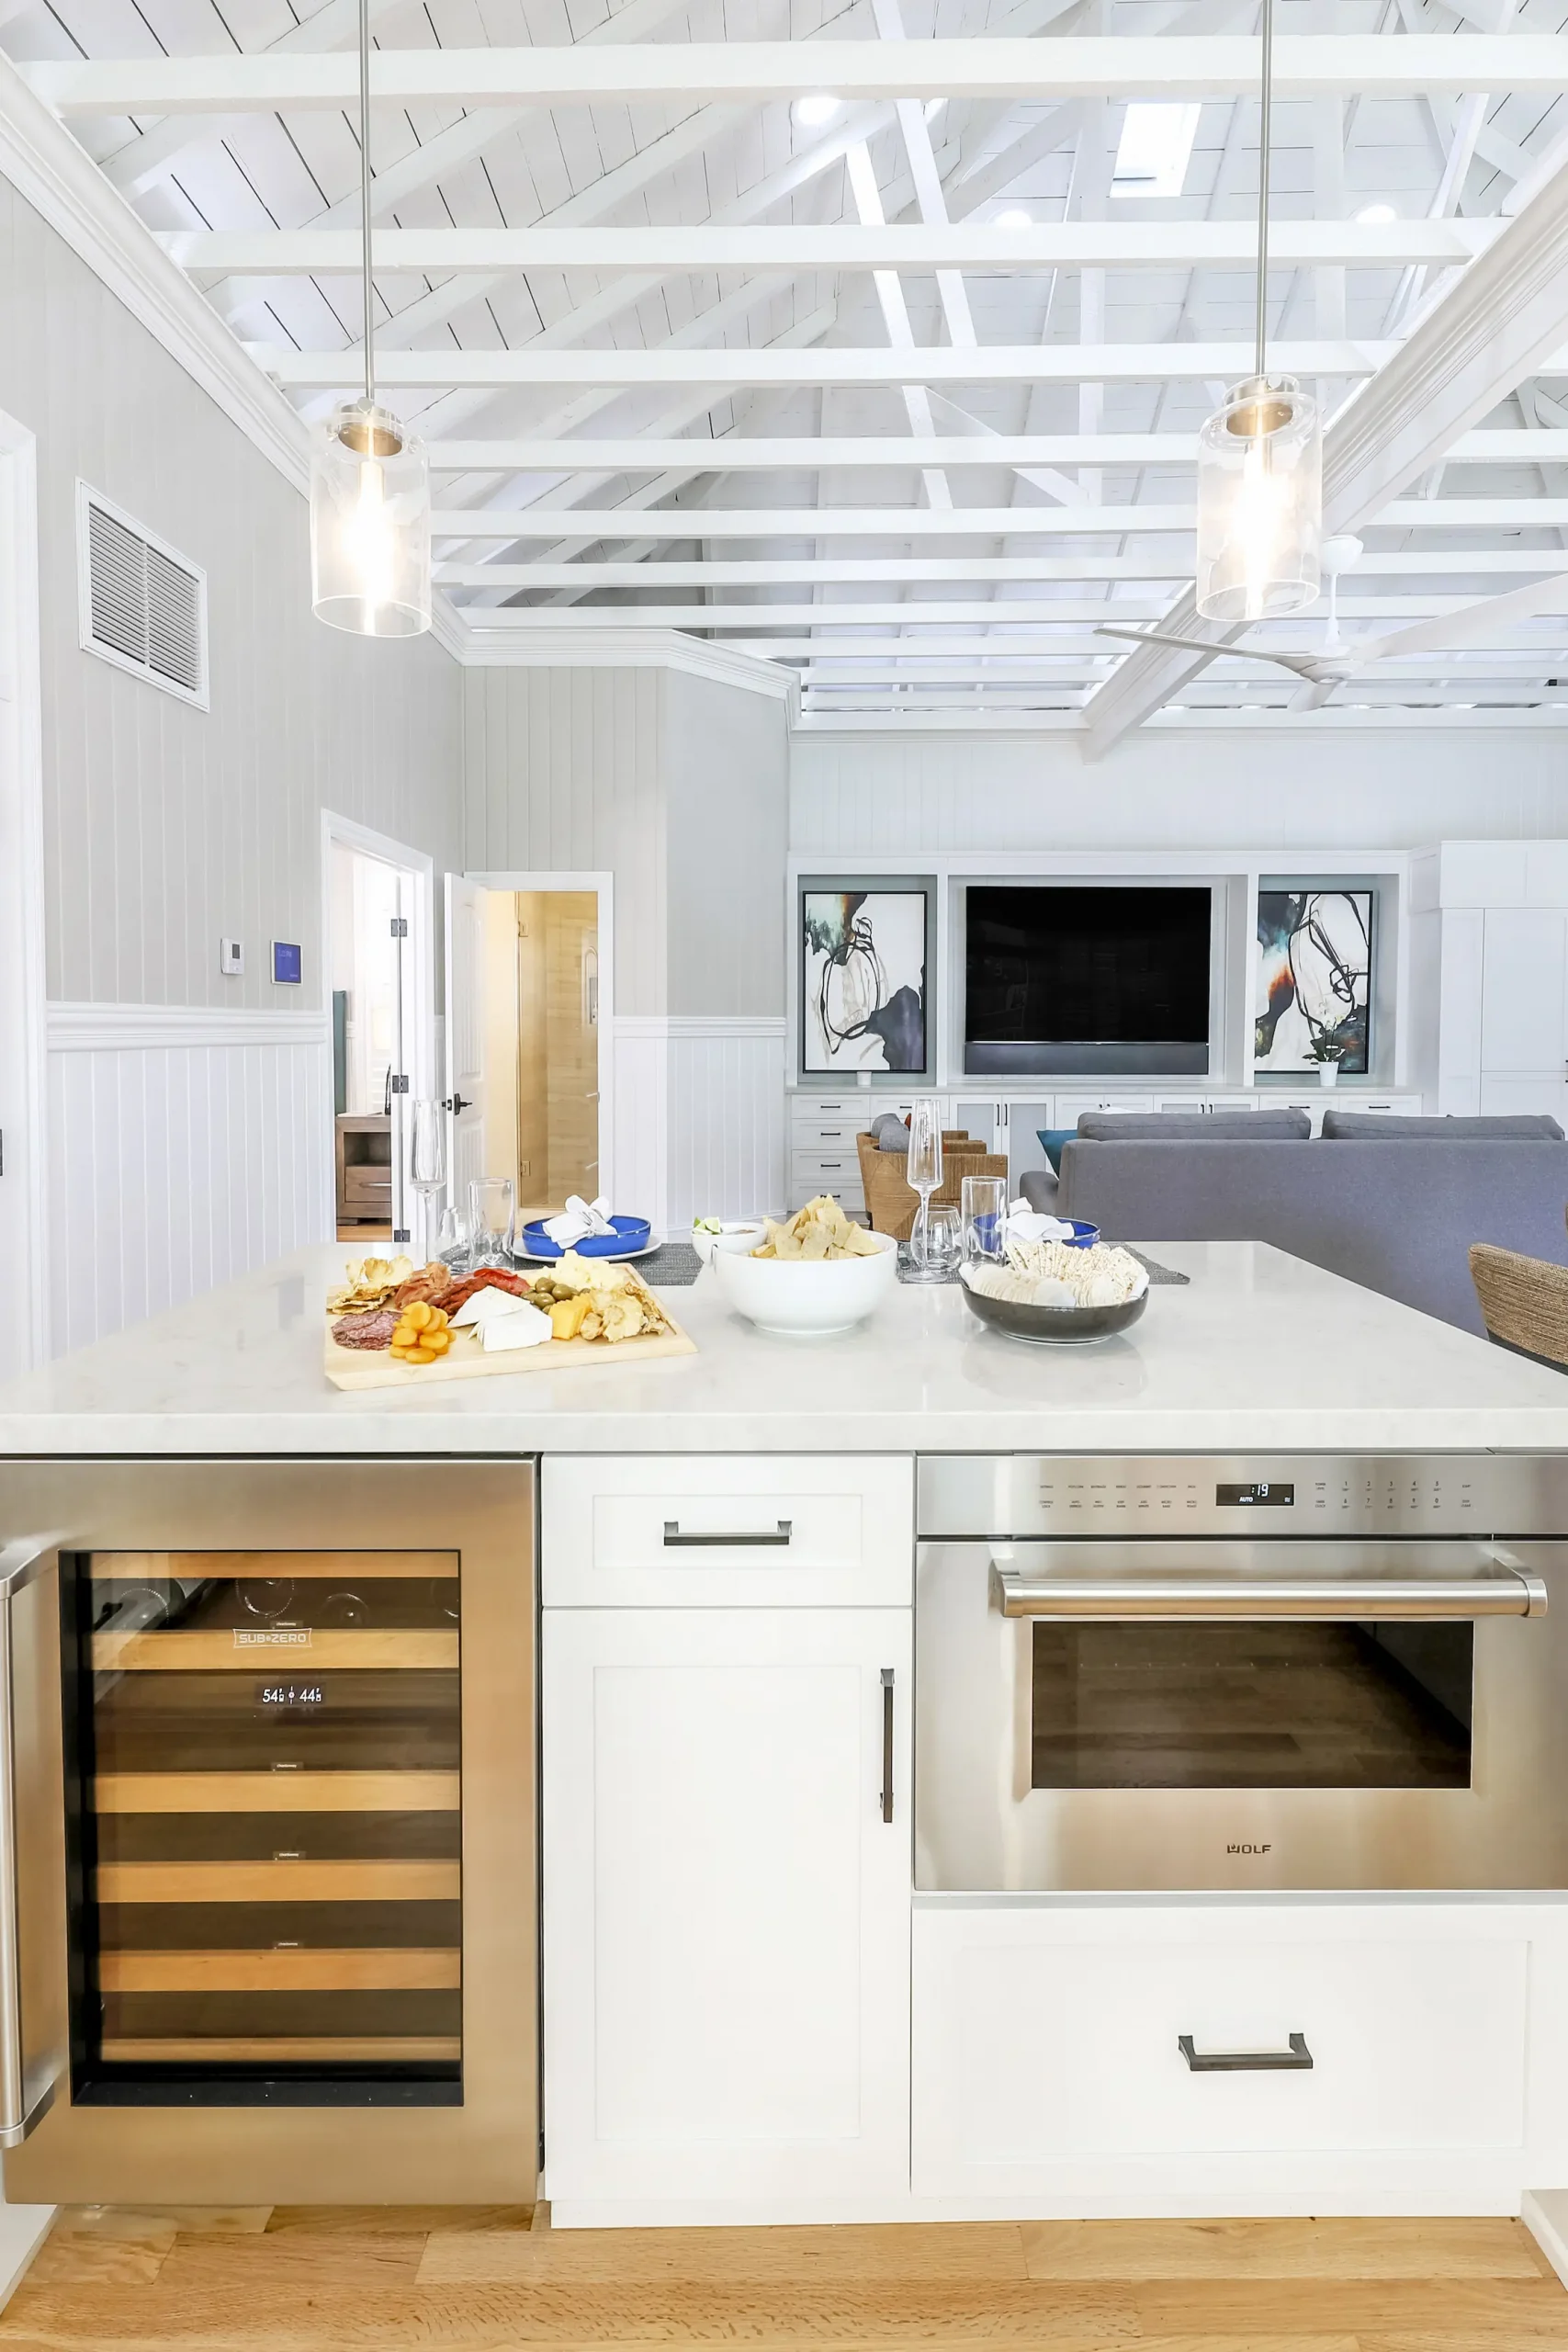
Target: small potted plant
[(1326, 1054)]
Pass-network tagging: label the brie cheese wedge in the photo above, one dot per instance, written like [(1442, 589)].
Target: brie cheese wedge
[(526, 1327)]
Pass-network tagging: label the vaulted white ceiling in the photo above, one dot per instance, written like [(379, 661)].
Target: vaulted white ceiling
[(901, 391)]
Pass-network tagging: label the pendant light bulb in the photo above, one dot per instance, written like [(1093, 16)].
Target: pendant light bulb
[(370, 478), (1260, 462)]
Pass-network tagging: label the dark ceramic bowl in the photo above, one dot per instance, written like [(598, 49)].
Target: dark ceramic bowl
[(1047, 1327)]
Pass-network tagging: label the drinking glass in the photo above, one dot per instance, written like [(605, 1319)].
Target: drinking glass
[(427, 1155), (944, 1240), (491, 1210), (985, 1220), (924, 1174), (452, 1241)]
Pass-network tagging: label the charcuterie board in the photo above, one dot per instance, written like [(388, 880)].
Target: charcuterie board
[(467, 1360)]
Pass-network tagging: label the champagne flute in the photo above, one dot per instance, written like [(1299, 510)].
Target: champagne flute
[(427, 1157), (924, 1175)]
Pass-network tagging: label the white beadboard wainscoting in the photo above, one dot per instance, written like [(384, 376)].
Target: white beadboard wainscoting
[(187, 1145), (699, 1115)]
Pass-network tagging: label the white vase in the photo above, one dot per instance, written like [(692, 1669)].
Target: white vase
[(1328, 1073)]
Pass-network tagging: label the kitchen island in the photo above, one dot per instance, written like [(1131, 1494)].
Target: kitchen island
[(1257, 1350), (767, 1996)]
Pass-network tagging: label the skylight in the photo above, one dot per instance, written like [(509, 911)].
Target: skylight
[(1154, 150)]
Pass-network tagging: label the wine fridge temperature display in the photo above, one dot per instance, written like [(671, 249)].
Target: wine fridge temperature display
[(290, 1694), (1279, 1493)]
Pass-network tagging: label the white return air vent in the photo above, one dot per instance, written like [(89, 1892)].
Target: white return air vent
[(144, 607)]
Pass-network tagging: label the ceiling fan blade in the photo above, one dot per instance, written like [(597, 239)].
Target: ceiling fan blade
[(1460, 627), (1315, 694), (1304, 665)]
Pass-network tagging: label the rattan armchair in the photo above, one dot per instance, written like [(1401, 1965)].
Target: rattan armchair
[(890, 1199), (1524, 1301)]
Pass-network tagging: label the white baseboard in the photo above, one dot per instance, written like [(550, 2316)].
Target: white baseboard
[(1544, 2212)]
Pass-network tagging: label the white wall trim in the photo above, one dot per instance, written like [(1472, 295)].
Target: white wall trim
[(127, 1028), (22, 969), (704, 1025), (1331, 720)]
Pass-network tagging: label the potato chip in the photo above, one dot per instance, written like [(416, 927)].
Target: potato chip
[(818, 1231)]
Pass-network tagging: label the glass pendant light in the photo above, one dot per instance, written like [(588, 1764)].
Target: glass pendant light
[(1260, 462), (369, 480)]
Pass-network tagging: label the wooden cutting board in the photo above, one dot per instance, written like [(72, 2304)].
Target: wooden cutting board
[(466, 1359)]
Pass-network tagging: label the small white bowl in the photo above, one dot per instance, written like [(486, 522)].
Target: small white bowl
[(749, 1230), (804, 1297)]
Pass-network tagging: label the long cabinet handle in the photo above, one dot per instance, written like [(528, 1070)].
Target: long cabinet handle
[(888, 1743), (21, 2105), (1511, 1592), (676, 1539), (1295, 2060)]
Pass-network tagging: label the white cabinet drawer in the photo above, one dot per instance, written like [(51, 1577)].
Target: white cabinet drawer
[(702, 1530), (826, 1135), (803, 1107), (833, 1168), (1036, 2050)]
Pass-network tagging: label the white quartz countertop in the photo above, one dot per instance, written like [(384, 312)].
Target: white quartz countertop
[(1260, 1351)]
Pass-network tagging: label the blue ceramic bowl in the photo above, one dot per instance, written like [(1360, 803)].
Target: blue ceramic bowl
[(1083, 1236), (630, 1233)]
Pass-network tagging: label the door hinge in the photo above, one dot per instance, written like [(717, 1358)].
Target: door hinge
[(400, 926), (401, 1233), (400, 1082)]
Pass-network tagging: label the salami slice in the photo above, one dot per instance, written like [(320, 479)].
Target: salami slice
[(374, 1330)]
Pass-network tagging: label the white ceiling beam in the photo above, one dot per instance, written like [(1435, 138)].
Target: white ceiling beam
[(1173, 66), (1499, 322), (896, 570), (741, 454), (745, 620), (965, 244), (594, 524), (732, 369)]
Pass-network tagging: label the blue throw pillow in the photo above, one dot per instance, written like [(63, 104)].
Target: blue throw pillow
[(1051, 1142)]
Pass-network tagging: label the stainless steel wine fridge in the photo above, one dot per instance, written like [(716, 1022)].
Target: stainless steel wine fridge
[(267, 1837)]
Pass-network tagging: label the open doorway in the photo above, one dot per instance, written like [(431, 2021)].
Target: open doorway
[(527, 1050), (378, 897)]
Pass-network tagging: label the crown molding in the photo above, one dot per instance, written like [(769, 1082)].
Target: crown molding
[(57, 176), (499, 640)]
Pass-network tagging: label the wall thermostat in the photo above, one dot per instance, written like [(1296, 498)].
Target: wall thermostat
[(287, 968), (231, 958)]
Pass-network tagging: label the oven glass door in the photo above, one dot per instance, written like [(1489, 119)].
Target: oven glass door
[(1136, 1704)]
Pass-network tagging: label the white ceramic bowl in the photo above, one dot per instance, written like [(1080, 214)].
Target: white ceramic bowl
[(798, 1296), (705, 1244)]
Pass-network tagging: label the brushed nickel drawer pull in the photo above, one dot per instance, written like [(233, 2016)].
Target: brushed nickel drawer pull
[(887, 1743), (674, 1539), (1296, 2060)]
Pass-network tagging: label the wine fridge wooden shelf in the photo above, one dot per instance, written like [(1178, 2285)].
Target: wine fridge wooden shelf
[(287, 1969), (279, 1881), (282, 1789), (311, 1650)]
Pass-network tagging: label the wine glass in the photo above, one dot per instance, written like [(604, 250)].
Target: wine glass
[(924, 1175), (490, 1220), (427, 1155)]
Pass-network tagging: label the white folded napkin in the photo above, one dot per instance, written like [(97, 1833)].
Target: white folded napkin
[(578, 1221), (1025, 1224)]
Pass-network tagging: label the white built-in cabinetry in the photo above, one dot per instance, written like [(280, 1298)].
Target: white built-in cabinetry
[(725, 1676), (1489, 958)]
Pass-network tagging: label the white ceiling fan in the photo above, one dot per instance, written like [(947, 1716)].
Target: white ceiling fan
[(1325, 671)]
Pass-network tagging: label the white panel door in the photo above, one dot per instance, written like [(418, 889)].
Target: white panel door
[(1524, 1028), (726, 1910), (464, 1033)]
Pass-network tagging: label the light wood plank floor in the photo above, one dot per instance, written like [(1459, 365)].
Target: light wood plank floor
[(297, 2279)]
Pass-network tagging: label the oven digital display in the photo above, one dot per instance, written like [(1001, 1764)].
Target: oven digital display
[(1259, 1492)]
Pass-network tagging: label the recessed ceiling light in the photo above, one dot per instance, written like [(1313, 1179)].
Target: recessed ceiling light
[(811, 113), (1155, 148), (1015, 218), (1377, 216)]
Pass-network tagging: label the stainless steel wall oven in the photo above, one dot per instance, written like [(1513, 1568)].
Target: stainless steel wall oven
[(1193, 1673)]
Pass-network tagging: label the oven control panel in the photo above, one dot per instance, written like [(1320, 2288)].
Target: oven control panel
[(1311, 1494)]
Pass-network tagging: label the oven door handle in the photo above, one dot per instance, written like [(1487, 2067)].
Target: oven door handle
[(1507, 1591)]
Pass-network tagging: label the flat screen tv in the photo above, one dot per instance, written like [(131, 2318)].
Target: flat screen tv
[(1064, 979)]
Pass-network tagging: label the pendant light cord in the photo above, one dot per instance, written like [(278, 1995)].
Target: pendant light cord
[(1268, 101), (365, 191)]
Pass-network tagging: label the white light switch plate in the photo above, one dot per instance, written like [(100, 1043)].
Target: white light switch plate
[(231, 958)]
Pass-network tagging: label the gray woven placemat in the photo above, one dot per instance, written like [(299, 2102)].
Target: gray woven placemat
[(675, 1264)]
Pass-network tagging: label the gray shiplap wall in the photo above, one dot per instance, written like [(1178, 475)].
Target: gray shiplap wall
[(166, 826)]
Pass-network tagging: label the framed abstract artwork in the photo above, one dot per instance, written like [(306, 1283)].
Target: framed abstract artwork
[(864, 981), (1312, 1001)]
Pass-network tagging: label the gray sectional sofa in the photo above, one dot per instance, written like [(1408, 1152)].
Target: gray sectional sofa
[(1392, 1204)]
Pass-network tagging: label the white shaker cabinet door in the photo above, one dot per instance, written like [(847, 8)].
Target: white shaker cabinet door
[(726, 1910), (1524, 1009)]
